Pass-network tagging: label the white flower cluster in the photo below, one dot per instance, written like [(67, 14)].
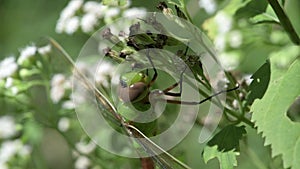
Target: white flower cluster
[(7, 127), (94, 13), (104, 74), (26, 54), (68, 22), (59, 84), (11, 66), (63, 124), (8, 67), (225, 35), (209, 6), (224, 23), (10, 149), (83, 162)]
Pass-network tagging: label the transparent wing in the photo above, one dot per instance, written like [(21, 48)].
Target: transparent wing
[(162, 158)]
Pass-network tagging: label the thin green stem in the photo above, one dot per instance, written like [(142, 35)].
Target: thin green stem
[(233, 82), (185, 10), (239, 117), (285, 21)]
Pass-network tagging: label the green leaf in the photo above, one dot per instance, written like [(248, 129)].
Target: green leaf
[(259, 85), (268, 16), (251, 9), (286, 56), (227, 159), (228, 138), (269, 114)]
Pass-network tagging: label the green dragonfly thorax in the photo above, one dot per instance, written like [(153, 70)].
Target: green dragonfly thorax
[(133, 87)]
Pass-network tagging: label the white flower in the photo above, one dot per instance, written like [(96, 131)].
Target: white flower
[(82, 162), (67, 21), (224, 22), (63, 124), (133, 13), (69, 104), (7, 127), (75, 4), (220, 42), (247, 78), (9, 82), (120, 26), (58, 85), (235, 104), (60, 26), (115, 80), (14, 90), (235, 39), (209, 6), (88, 22), (85, 148), (26, 53), (70, 9), (58, 79), (96, 8), (9, 149), (110, 13), (229, 60), (8, 67), (44, 50), (57, 93), (104, 73), (72, 25)]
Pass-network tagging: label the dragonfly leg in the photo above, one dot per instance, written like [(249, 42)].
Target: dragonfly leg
[(154, 69), (166, 91), (201, 101)]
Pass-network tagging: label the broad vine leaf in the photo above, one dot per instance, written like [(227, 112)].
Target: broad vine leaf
[(227, 159), (228, 138), (269, 114), (259, 85), (251, 9)]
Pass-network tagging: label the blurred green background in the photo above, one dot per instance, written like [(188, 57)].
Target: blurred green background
[(25, 22)]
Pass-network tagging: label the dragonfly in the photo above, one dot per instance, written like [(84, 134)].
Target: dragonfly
[(164, 160), (135, 87)]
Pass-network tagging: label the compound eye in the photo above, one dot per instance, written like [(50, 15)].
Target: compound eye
[(131, 93), (123, 84)]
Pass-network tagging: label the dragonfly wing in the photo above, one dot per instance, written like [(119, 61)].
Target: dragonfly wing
[(162, 158)]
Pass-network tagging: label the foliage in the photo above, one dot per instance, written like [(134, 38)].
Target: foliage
[(257, 43), (269, 113)]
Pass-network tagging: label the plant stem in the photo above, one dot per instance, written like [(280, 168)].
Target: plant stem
[(285, 21), (183, 4), (240, 118)]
